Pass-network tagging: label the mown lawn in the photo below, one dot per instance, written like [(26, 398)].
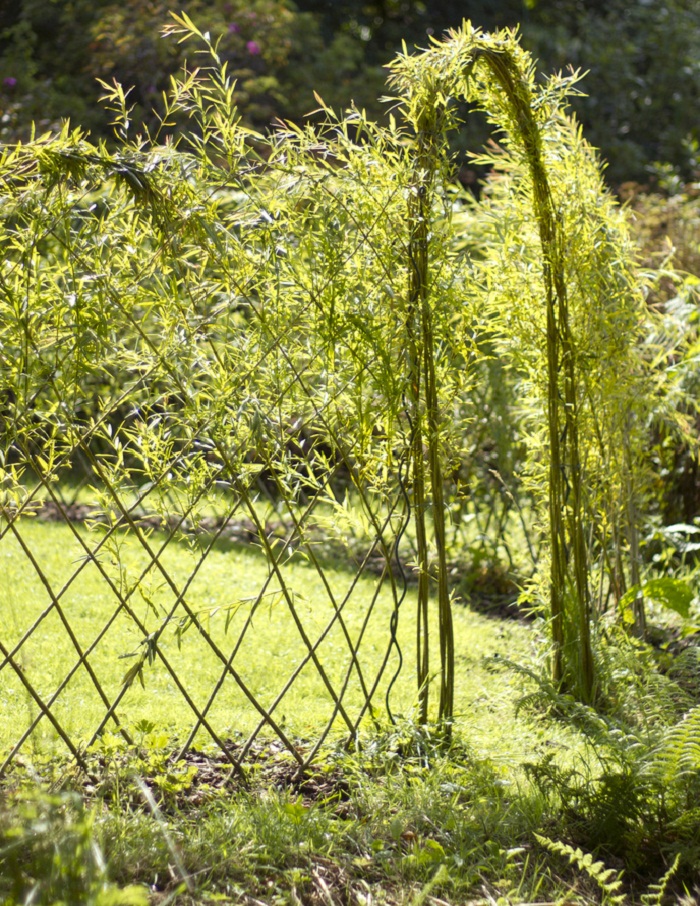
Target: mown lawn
[(222, 591)]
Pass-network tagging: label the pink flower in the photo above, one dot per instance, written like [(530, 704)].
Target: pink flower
[(234, 28), (253, 48), (9, 82)]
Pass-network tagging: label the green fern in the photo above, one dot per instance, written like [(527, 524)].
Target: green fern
[(656, 891), (607, 879), (679, 753)]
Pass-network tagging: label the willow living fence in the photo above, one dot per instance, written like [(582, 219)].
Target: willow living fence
[(231, 370)]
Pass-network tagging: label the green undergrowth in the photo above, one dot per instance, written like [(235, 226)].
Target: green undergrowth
[(535, 799), (408, 819)]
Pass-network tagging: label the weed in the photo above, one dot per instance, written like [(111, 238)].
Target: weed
[(49, 854)]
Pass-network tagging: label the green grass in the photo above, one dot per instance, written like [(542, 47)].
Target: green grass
[(265, 842), (230, 577), (406, 820)]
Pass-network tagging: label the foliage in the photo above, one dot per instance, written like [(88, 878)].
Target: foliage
[(286, 313), (638, 110), (668, 234), (283, 334), (631, 795), (246, 327), (605, 878), (276, 53), (639, 104), (49, 853), (557, 271), (408, 816)]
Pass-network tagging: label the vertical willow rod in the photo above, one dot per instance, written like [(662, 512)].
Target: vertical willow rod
[(565, 491), (426, 417)]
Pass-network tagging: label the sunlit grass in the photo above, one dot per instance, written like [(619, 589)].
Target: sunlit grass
[(229, 579)]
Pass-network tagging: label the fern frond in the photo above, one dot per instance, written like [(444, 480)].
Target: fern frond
[(656, 891), (607, 879), (679, 753)]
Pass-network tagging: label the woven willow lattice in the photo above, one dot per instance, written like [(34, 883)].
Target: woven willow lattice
[(212, 365), (234, 372)]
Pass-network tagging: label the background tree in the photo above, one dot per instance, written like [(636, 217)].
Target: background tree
[(642, 60)]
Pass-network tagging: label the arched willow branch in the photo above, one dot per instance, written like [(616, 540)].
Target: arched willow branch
[(494, 72)]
